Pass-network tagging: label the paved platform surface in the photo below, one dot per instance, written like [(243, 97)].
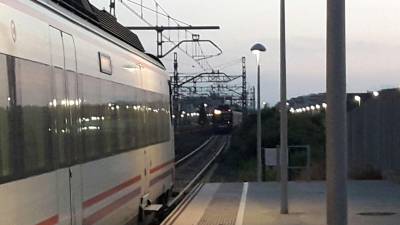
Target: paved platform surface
[(258, 204)]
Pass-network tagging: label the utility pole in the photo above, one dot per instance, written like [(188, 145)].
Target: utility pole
[(336, 130), (283, 117), (244, 88), (176, 91), (253, 98), (112, 7)]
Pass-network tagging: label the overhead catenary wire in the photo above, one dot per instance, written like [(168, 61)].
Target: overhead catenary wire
[(164, 36), (229, 64), (159, 10)]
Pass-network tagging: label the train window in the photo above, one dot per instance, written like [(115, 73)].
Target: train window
[(122, 123), (140, 118), (108, 115), (33, 97), (59, 113), (5, 145), (105, 63), (117, 118), (74, 116), (166, 118), (91, 117)]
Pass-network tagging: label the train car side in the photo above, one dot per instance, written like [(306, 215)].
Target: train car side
[(79, 144)]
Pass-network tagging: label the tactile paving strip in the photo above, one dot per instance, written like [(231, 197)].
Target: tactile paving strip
[(224, 207)]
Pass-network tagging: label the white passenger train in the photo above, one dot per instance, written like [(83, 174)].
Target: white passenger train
[(85, 132)]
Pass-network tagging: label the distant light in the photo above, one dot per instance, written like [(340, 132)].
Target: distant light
[(205, 105), (308, 108), (217, 112), (317, 106), (264, 103), (357, 98), (303, 109), (292, 110), (287, 103), (312, 107), (324, 105), (375, 93)]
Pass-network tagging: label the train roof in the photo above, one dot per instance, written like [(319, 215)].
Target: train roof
[(103, 20)]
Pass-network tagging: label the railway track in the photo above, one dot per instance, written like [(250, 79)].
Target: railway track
[(190, 154), (190, 168)]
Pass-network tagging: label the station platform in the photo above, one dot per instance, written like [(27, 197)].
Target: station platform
[(370, 203)]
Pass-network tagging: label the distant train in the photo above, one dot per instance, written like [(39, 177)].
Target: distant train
[(224, 119), (85, 125)]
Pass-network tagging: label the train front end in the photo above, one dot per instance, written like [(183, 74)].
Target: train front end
[(222, 119)]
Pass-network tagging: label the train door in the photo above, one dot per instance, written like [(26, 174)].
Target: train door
[(75, 153), (65, 113), (146, 157)]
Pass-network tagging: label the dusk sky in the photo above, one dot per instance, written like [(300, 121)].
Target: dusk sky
[(373, 40)]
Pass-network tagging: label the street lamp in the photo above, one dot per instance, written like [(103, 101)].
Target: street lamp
[(375, 93), (256, 50), (357, 99), (283, 114), (336, 139)]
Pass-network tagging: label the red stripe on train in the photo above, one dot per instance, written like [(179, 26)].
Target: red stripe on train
[(157, 168), (95, 217), (50, 221), (161, 177), (110, 192)]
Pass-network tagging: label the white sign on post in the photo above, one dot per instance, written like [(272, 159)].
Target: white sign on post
[(271, 156)]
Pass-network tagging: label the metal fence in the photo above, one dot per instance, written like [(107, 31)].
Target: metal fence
[(374, 134)]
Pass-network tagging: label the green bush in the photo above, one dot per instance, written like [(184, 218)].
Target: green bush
[(303, 129)]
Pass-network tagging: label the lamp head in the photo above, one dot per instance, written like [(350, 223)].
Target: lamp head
[(257, 48)]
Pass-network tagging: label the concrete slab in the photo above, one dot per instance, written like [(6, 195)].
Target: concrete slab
[(258, 203)]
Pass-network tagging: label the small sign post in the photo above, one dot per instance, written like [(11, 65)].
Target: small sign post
[(271, 156)]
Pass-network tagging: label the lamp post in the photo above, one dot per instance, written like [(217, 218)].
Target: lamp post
[(256, 50), (336, 139), (283, 115)]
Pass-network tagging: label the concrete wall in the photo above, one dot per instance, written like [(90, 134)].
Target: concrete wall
[(374, 134)]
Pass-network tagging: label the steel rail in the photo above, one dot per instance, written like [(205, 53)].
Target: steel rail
[(194, 151), (202, 171), (179, 209)]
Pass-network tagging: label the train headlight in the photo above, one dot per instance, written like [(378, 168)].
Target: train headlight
[(217, 112)]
